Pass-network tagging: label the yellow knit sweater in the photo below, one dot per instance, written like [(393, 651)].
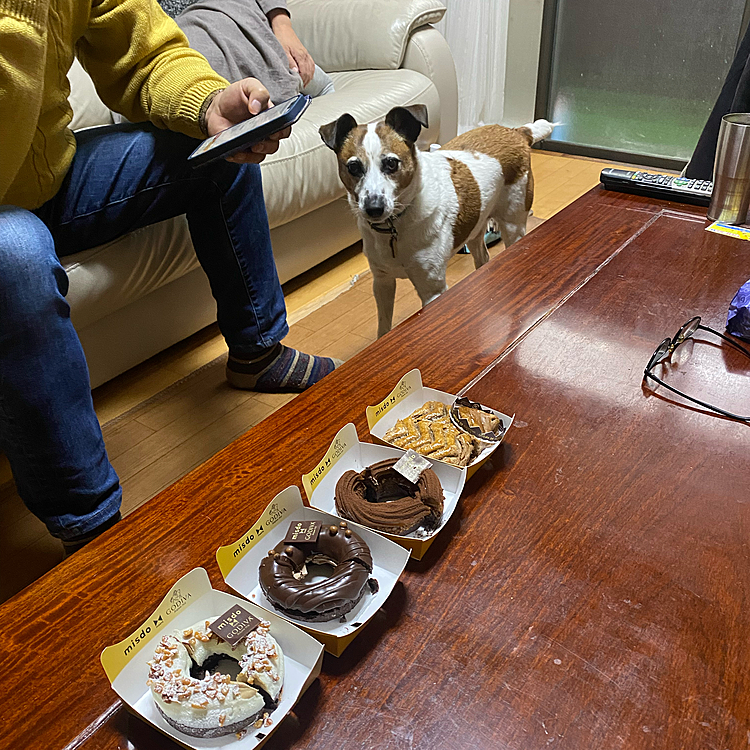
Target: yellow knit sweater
[(136, 55)]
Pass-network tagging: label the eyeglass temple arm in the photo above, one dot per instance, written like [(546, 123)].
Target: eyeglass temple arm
[(729, 340), (649, 374)]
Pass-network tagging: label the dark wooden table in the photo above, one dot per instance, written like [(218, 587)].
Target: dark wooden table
[(593, 587)]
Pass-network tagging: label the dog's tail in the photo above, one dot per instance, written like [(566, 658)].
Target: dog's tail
[(538, 130)]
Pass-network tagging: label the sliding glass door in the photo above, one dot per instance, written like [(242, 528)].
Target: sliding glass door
[(636, 78)]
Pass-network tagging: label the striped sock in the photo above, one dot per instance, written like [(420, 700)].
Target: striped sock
[(280, 370)]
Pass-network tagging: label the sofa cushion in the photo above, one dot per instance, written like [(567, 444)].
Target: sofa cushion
[(302, 175), (108, 277), (88, 109)]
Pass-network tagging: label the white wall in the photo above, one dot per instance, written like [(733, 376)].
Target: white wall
[(495, 44)]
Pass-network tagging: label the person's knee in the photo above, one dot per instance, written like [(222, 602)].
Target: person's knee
[(28, 264), (227, 175)]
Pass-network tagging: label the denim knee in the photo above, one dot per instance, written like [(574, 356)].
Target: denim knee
[(31, 276), (226, 175)]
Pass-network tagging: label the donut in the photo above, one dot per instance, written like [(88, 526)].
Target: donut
[(429, 431), (284, 576), (200, 703), (383, 499)]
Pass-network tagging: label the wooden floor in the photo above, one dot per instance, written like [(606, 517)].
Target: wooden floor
[(168, 415)]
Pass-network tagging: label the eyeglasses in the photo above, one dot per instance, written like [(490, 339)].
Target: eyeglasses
[(664, 352)]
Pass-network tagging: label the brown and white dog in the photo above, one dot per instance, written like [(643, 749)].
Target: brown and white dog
[(416, 209)]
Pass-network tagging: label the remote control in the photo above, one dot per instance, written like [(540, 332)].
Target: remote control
[(667, 187)]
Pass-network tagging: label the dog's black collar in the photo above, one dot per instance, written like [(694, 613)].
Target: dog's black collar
[(388, 227)]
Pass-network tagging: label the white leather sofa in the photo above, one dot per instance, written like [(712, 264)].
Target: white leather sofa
[(144, 292)]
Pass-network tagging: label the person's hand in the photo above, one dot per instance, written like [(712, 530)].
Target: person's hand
[(299, 58), (236, 103)]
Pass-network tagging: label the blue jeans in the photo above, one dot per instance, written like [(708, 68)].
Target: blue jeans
[(122, 178)]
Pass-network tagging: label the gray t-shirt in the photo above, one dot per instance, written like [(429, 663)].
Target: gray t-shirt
[(237, 40)]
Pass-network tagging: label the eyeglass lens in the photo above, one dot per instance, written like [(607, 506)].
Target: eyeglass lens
[(687, 330), (661, 353)]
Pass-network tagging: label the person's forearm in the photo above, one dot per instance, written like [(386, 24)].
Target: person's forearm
[(271, 6), (279, 19), (203, 114), (299, 58)]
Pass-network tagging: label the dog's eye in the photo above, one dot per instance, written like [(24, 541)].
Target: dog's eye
[(355, 167), (390, 164)]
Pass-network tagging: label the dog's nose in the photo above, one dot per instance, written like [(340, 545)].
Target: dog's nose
[(374, 206)]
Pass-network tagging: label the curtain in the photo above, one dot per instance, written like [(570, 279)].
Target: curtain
[(476, 31), (734, 97)]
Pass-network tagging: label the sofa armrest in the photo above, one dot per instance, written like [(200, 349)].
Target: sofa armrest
[(428, 53), (360, 34)]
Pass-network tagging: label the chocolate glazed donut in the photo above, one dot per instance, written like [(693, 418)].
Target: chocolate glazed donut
[(383, 499), (283, 575)]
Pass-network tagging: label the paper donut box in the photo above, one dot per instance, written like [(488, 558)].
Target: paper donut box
[(190, 600), (348, 453), (239, 563), (408, 396)]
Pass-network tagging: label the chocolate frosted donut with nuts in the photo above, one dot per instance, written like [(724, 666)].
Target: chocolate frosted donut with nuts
[(383, 499), (287, 584)]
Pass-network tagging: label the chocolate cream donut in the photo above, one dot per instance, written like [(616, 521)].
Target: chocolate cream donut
[(383, 499), (284, 576), (201, 704)]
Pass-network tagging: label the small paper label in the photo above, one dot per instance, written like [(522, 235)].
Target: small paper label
[(234, 625), (741, 233), (411, 465), (302, 531)]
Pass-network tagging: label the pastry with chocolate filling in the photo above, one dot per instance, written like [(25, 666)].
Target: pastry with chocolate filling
[(287, 584), (429, 431), (485, 421), (383, 499), (200, 701)]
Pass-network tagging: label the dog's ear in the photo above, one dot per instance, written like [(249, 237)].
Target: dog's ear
[(408, 121), (334, 133)]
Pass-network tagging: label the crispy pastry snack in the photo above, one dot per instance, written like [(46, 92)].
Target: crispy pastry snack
[(429, 431)]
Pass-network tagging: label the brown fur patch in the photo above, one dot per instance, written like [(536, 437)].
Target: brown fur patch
[(510, 146), (393, 143), (469, 201), (352, 146)]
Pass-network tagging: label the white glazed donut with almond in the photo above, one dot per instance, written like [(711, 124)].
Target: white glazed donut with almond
[(212, 705)]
